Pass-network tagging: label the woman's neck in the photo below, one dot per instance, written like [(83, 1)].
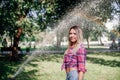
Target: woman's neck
[(73, 45)]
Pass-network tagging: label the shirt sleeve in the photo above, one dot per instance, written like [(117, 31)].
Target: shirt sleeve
[(81, 59), (63, 65)]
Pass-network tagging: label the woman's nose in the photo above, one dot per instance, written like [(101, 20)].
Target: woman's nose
[(72, 35)]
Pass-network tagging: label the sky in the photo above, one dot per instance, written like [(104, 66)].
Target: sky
[(110, 24)]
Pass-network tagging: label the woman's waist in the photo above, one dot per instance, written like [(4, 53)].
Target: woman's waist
[(68, 69)]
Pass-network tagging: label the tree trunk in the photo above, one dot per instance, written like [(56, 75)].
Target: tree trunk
[(15, 44), (101, 41), (88, 43), (59, 39), (11, 41)]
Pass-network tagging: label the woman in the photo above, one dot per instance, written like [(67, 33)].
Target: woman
[(75, 55)]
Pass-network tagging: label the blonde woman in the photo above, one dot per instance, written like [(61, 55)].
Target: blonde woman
[(75, 55)]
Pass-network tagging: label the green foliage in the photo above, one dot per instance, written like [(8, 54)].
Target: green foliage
[(10, 12), (37, 15), (63, 6)]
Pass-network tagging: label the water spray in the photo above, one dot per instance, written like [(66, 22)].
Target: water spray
[(76, 17)]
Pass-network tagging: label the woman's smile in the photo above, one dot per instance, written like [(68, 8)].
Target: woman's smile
[(72, 36)]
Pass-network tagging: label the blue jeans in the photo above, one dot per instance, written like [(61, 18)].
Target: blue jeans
[(72, 75)]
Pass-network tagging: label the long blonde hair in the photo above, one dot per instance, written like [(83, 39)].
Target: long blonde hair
[(79, 33)]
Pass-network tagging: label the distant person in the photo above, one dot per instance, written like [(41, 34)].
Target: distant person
[(119, 43), (75, 56), (4, 43), (113, 45)]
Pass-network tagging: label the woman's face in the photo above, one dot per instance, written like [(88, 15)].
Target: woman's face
[(73, 36)]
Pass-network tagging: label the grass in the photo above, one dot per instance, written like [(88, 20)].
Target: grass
[(100, 66), (105, 57)]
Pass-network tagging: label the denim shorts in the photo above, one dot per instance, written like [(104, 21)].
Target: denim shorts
[(72, 75)]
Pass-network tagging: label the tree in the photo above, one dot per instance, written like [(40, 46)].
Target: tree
[(37, 15), (16, 14), (88, 29)]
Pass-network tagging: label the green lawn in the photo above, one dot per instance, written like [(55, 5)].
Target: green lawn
[(100, 66)]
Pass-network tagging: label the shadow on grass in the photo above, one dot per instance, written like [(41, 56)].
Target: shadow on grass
[(29, 75), (111, 63), (7, 67)]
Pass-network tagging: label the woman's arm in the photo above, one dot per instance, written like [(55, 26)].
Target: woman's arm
[(81, 60), (80, 75)]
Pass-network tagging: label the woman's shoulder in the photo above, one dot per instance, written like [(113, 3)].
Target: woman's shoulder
[(82, 49), (82, 45), (66, 51)]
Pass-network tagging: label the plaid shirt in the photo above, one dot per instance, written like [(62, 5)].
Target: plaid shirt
[(76, 60)]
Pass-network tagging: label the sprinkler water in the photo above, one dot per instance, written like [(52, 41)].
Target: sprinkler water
[(80, 15)]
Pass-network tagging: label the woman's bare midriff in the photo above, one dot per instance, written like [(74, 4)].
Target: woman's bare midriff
[(70, 69)]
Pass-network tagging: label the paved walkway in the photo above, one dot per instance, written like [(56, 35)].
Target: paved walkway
[(58, 52)]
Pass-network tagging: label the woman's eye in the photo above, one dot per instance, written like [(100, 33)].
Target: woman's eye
[(74, 33), (70, 33)]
